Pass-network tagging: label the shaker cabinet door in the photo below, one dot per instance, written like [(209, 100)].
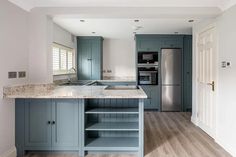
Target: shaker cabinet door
[(85, 60), (37, 124), (65, 124)]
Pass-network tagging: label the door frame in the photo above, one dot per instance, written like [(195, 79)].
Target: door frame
[(195, 108)]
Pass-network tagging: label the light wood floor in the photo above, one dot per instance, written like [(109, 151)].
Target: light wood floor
[(167, 134)]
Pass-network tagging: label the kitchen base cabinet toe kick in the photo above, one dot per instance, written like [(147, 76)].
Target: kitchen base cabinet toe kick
[(80, 125)]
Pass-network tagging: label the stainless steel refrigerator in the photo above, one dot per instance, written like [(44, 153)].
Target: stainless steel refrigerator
[(171, 78)]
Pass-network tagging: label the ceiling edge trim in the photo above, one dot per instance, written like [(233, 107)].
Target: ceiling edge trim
[(22, 5)]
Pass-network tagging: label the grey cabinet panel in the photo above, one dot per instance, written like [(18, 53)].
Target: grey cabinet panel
[(37, 128), (65, 129)]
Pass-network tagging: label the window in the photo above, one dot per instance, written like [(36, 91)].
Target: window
[(63, 59)]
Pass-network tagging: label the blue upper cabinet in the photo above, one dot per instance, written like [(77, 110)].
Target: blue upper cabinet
[(89, 58), (172, 41), (146, 43)]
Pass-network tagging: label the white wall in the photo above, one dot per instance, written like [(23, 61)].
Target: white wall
[(40, 40), (226, 84), (226, 106), (119, 57), (13, 57)]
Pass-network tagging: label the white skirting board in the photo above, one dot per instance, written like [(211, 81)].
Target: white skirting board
[(194, 120), (10, 153), (217, 140), (228, 148)]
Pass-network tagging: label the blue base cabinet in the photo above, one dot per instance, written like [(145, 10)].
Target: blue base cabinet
[(45, 124), (80, 125), (38, 124), (65, 115), (153, 101)]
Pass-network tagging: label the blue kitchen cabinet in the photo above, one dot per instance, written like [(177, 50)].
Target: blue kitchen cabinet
[(65, 116), (187, 73), (146, 43), (153, 100), (155, 42), (89, 58), (171, 41), (37, 124), (50, 124)]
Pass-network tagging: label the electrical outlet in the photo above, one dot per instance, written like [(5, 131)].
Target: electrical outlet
[(21, 74), (12, 74)]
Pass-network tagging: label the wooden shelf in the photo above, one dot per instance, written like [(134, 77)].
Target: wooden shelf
[(113, 126), (113, 111), (112, 143)]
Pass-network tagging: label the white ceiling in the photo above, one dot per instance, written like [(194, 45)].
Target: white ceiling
[(29, 4), (123, 28)]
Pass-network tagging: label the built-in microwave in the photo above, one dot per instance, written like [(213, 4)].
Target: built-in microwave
[(147, 57)]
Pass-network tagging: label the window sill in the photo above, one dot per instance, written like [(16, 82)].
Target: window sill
[(64, 74)]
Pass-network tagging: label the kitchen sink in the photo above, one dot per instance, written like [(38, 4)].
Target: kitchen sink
[(121, 87), (75, 83)]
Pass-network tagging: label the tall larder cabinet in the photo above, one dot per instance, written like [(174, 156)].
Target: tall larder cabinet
[(89, 58)]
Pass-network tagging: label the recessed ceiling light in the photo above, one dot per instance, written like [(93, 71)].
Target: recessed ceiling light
[(190, 21), (136, 20), (82, 20)]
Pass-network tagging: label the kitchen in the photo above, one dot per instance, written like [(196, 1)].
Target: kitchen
[(101, 81)]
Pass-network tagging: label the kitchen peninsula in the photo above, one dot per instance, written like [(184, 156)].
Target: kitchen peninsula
[(83, 119)]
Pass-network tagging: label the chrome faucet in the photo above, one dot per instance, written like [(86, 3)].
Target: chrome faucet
[(70, 72)]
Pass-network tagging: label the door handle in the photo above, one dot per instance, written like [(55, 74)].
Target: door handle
[(212, 84)]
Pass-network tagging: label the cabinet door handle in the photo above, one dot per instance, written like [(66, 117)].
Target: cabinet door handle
[(53, 122), (89, 59), (49, 122)]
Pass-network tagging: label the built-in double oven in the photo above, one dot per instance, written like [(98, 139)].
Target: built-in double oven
[(147, 68)]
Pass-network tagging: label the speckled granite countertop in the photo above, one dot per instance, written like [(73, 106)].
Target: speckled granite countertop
[(54, 91)]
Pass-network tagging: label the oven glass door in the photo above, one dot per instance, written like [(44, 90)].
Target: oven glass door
[(145, 78)]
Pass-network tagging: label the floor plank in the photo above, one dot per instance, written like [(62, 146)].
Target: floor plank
[(167, 134)]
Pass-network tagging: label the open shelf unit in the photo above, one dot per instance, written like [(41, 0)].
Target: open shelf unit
[(112, 125), (112, 143)]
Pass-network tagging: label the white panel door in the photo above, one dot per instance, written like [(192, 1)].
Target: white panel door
[(206, 75)]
